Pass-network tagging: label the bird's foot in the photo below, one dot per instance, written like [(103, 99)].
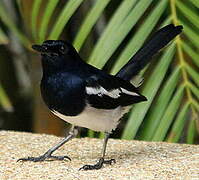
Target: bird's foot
[(98, 165), (44, 157)]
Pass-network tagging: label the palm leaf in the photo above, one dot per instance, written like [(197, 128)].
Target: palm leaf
[(168, 116), (172, 84), (4, 101), (89, 22), (178, 126), (161, 115), (50, 7), (63, 18), (192, 54), (154, 117), (140, 36), (100, 55), (3, 37), (150, 89), (34, 14), (4, 17)]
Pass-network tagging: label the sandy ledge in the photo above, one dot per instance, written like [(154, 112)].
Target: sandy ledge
[(135, 159)]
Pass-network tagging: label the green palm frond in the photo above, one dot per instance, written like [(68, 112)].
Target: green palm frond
[(68, 10), (34, 14), (166, 117), (171, 84), (5, 101), (4, 17), (3, 37)]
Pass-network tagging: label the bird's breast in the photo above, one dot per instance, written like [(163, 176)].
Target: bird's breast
[(64, 94)]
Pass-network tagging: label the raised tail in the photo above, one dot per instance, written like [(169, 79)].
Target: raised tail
[(143, 56)]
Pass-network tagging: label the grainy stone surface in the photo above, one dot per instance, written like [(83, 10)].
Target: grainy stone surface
[(135, 159)]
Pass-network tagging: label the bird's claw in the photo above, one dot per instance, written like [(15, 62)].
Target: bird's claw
[(43, 157), (59, 158), (34, 159), (110, 161), (98, 165)]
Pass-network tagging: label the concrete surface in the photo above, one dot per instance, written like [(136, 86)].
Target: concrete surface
[(134, 159)]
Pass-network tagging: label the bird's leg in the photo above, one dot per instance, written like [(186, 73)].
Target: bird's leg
[(48, 155), (101, 161)]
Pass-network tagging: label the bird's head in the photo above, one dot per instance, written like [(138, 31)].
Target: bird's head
[(57, 55), (53, 48)]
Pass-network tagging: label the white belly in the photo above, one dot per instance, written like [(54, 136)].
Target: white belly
[(96, 119)]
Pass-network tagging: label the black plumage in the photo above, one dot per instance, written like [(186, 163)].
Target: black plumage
[(109, 83), (65, 78)]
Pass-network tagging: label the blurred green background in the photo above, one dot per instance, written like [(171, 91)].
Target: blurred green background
[(106, 33)]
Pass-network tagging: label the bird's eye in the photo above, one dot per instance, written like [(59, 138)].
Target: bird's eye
[(45, 48), (62, 48)]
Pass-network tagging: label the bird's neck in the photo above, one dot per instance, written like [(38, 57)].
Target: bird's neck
[(53, 65)]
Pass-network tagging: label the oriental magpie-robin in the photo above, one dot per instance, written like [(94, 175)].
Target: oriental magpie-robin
[(88, 97)]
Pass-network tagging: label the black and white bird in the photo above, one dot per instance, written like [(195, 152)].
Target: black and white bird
[(85, 96)]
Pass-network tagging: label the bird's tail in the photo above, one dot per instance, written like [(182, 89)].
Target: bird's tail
[(143, 56)]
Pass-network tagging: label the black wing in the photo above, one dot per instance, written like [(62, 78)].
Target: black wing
[(110, 92)]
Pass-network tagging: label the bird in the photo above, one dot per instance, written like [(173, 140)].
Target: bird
[(85, 96)]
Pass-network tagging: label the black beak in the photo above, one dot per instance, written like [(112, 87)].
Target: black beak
[(39, 48)]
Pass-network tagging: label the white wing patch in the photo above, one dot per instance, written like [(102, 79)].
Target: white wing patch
[(100, 91), (114, 93), (129, 92)]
